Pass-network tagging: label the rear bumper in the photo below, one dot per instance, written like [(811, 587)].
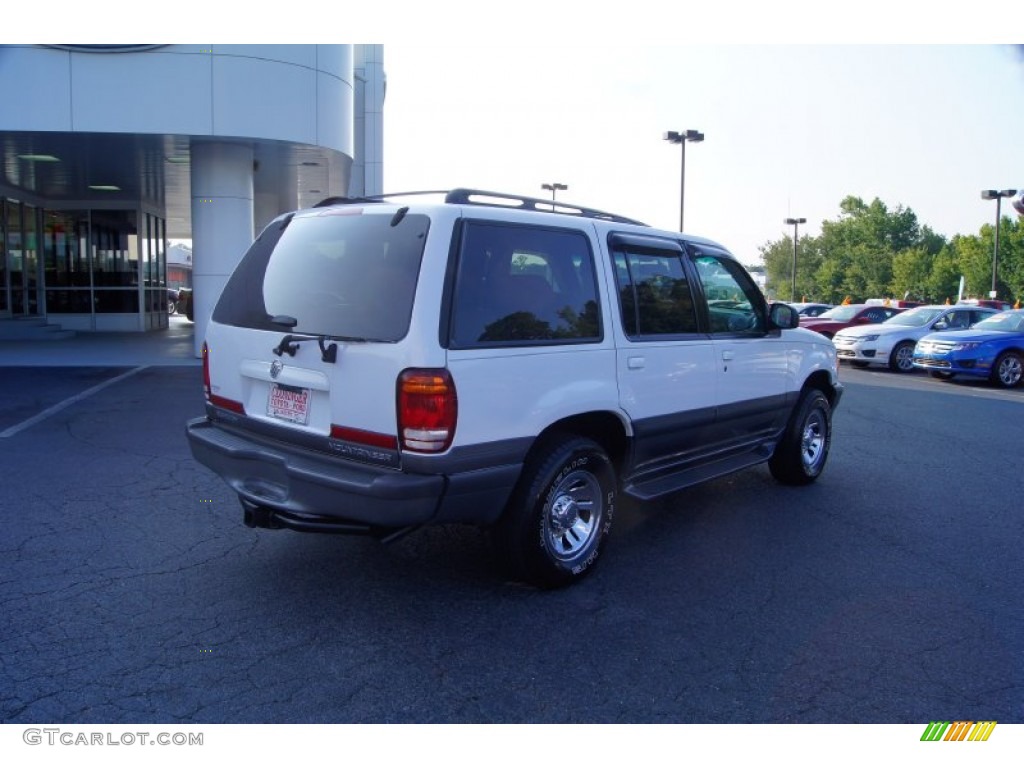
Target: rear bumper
[(329, 492)]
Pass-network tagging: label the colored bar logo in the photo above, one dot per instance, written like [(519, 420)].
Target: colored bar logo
[(959, 730)]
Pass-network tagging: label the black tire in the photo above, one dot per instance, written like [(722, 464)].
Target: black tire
[(556, 522), (901, 359), (800, 456), (1008, 370), (171, 308)]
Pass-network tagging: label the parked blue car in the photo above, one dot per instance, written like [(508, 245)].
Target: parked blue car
[(992, 349)]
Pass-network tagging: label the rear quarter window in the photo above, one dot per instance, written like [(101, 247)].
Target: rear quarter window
[(521, 285)]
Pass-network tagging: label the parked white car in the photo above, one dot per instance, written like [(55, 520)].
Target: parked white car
[(892, 343), (373, 366)]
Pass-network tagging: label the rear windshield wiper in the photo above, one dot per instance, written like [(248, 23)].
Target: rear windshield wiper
[(328, 352)]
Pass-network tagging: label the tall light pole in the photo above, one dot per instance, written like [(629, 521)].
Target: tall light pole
[(997, 195), (796, 226), (554, 187), (676, 137)]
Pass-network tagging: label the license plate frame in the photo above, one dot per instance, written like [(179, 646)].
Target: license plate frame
[(288, 403)]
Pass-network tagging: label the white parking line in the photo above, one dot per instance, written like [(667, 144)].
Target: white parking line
[(12, 431)]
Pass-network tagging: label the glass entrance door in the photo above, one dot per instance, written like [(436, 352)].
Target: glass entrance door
[(22, 258), (5, 283)]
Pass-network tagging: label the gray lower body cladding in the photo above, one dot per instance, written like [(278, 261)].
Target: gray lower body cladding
[(270, 475)]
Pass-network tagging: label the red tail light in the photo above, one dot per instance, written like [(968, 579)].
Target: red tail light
[(212, 399), (427, 409), (206, 372)]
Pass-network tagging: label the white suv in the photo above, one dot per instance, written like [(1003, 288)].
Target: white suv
[(373, 366)]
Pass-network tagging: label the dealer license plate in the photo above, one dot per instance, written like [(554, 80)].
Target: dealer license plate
[(288, 403)]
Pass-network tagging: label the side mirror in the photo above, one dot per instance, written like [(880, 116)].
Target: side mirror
[(783, 316)]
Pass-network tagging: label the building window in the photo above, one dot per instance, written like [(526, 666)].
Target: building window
[(4, 285), (65, 249)]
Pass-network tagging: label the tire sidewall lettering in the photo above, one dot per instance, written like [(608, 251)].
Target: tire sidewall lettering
[(574, 464)]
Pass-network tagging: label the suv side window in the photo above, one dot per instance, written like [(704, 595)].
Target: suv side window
[(519, 285), (654, 294), (734, 303)]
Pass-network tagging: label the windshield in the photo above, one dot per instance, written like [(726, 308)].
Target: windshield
[(915, 317), (841, 313), (1004, 321), (341, 273)]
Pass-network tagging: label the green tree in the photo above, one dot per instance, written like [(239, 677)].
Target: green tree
[(977, 258), (1011, 255), (974, 262), (911, 273), (944, 277), (856, 255), (778, 268)]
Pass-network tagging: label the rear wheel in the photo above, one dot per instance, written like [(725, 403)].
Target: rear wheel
[(801, 454), (557, 519), (1008, 370), (902, 358)]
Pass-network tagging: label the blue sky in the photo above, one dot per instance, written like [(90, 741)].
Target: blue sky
[(790, 129)]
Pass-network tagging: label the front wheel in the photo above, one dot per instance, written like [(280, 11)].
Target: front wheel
[(801, 454), (560, 512), (1008, 370), (902, 358)]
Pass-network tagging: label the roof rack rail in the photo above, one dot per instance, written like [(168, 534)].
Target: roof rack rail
[(466, 196), (503, 199), (328, 201)]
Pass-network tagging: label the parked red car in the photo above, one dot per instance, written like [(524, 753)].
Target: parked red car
[(847, 315)]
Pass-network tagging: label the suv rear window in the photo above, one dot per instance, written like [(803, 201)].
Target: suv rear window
[(351, 274)]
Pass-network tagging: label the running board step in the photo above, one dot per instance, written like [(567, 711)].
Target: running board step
[(670, 482)]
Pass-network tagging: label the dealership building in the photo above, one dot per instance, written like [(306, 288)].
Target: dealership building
[(112, 151)]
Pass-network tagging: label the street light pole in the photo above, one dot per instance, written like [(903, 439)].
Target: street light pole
[(675, 137), (796, 226), (997, 195), (554, 187)]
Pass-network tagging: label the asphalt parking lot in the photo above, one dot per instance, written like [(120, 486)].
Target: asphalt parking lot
[(888, 592)]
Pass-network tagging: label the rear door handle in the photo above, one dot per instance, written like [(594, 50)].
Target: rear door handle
[(635, 363)]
